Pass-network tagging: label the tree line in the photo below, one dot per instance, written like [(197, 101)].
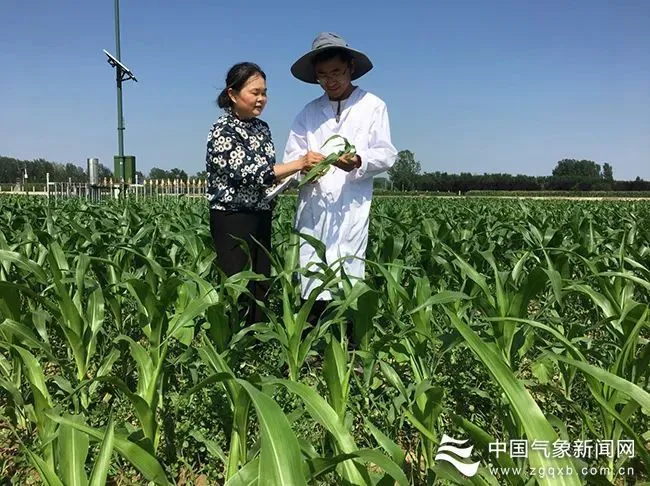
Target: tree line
[(405, 175), (13, 171), (568, 175)]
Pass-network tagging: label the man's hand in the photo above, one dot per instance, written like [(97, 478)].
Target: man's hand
[(348, 162)]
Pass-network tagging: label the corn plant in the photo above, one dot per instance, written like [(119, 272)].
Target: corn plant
[(320, 169), (479, 318)]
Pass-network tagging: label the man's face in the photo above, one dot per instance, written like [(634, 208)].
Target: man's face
[(334, 76)]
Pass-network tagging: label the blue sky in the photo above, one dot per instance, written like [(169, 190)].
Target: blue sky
[(474, 86)]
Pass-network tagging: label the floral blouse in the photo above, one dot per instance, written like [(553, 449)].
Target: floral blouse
[(239, 161)]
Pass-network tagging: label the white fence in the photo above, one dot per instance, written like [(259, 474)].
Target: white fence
[(107, 188)]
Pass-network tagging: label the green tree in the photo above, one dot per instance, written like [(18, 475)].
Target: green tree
[(13, 170), (577, 168), (404, 172), (608, 172), (156, 173), (176, 173), (104, 172), (380, 183)]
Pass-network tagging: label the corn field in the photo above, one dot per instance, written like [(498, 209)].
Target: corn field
[(123, 359)]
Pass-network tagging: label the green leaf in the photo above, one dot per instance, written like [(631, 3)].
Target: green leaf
[(24, 263), (396, 453), (155, 267), (318, 466), (247, 475), (280, 457), (212, 447), (323, 465), (70, 313), (528, 414), (325, 415), (96, 310), (35, 374), (599, 299), (475, 276), (146, 463), (47, 474), (540, 370), (444, 297), (59, 256), (103, 459), (143, 362), (13, 392), (335, 372), (197, 307), (480, 438), (393, 378), (73, 450), (379, 459), (633, 391), (25, 336), (143, 410)]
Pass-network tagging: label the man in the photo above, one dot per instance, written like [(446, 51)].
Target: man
[(336, 208)]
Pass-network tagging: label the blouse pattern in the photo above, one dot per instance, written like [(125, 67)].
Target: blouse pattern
[(239, 162)]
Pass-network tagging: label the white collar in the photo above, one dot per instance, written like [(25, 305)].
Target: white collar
[(326, 105)]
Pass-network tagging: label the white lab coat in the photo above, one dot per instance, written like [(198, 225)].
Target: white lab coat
[(336, 208)]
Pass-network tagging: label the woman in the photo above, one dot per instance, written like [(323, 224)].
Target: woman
[(241, 168)]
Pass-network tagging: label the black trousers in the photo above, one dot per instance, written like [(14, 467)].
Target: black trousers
[(318, 310), (225, 226)]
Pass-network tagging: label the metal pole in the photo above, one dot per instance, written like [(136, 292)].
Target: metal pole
[(118, 73)]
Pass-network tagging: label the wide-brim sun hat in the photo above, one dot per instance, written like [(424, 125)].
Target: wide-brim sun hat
[(303, 69)]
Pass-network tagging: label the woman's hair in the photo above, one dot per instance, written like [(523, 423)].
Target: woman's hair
[(343, 54), (236, 79)]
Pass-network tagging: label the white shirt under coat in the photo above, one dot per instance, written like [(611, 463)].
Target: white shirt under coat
[(336, 208)]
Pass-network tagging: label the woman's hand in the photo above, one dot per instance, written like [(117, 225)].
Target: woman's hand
[(301, 164), (309, 160)]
